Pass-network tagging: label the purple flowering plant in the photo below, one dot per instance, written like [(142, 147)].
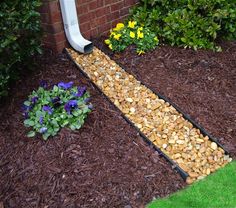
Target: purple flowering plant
[(48, 110)]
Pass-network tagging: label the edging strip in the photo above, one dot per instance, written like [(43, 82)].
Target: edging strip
[(188, 144)]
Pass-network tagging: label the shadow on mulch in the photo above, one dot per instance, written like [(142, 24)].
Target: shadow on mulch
[(104, 164), (202, 83)]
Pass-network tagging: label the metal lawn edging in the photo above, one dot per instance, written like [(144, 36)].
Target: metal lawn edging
[(175, 166)]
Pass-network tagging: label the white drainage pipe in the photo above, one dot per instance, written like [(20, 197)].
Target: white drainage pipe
[(71, 27)]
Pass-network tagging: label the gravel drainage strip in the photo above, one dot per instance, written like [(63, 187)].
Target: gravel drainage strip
[(164, 126)]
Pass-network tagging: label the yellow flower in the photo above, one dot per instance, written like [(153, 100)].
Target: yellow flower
[(119, 26), (140, 52), (117, 36), (140, 28), (110, 46), (132, 34), (112, 33), (139, 34), (107, 41), (132, 24)]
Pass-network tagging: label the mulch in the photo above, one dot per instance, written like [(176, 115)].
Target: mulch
[(202, 83), (104, 164)]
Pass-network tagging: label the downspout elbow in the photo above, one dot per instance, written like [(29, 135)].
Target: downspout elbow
[(71, 27)]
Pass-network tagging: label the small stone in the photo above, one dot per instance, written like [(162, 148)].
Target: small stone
[(208, 171), (200, 140), (116, 103), (164, 146), (213, 146), (177, 155), (171, 141), (180, 141), (189, 180), (139, 126), (193, 174), (130, 100), (132, 110), (200, 177)]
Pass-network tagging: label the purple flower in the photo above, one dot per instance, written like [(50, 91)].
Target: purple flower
[(71, 104), (81, 91), (64, 85), (41, 119), (34, 99), (56, 101), (43, 130), (90, 106), (86, 100), (43, 84), (47, 109), (26, 115), (26, 108)]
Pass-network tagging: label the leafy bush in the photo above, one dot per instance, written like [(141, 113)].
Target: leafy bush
[(189, 23), (132, 33), (46, 111), (20, 37)]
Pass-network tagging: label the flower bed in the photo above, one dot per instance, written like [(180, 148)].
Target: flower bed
[(48, 110), (159, 121)]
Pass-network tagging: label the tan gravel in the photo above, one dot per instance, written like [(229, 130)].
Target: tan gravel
[(157, 119)]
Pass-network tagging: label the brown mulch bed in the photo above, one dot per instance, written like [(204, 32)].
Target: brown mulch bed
[(202, 83), (104, 164)]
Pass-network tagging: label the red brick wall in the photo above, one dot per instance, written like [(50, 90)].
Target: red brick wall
[(96, 18)]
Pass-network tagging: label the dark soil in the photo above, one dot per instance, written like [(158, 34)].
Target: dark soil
[(202, 83), (104, 164)]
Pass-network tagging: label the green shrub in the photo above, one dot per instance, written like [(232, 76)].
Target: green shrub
[(189, 23), (20, 37), (48, 110), (124, 35)]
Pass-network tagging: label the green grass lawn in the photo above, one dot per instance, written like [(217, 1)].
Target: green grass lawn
[(218, 190)]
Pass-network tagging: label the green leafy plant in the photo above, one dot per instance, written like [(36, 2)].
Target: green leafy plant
[(20, 38), (189, 23), (132, 33), (48, 110)]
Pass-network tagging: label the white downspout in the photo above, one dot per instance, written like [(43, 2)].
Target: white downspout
[(71, 27)]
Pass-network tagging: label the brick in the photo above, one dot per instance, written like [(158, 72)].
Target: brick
[(43, 8), (85, 27), (54, 38), (55, 17), (117, 6), (124, 11), (93, 33), (87, 17), (104, 28), (105, 33), (102, 11), (82, 9), (130, 2), (95, 4), (82, 1), (47, 37), (98, 21), (108, 2), (56, 48), (59, 37), (48, 0), (53, 7), (52, 28), (112, 16), (45, 18)]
